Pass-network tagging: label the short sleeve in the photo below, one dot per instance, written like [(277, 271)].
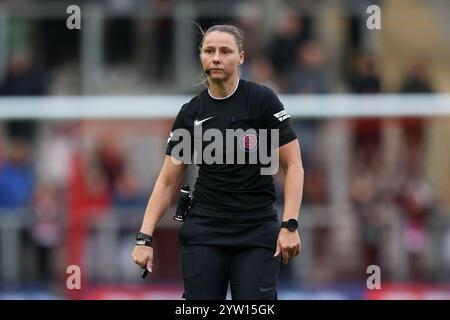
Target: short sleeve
[(276, 117), (175, 135)]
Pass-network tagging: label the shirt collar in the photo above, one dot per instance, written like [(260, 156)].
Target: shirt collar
[(237, 85)]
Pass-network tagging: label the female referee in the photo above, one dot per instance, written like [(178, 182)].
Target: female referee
[(232, 235)]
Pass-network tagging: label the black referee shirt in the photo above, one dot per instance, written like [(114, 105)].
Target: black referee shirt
[(238, 190)]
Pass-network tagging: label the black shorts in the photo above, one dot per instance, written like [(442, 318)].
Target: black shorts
[(218, 252), (251, 273)]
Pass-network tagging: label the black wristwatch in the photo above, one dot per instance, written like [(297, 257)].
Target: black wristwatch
[(291, 224), (143, 239)]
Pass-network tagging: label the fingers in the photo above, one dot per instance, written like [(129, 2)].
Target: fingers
[(142, 258), (136, 259), (285, 255), (149, 265), (140, 262), (289, 252), (295, 251), (278, 250)]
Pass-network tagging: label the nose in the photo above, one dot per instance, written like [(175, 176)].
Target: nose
[(216, 57)]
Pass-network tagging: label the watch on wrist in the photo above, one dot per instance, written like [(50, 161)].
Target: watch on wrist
[(291, 224), (143, 239)]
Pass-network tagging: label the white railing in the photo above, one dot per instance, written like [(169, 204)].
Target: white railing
[(142, 107)]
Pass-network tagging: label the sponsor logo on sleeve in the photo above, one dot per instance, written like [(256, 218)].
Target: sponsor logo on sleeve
[(281, 116)]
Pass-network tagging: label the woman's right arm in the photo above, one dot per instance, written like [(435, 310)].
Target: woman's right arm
[(161, 197), (169, 178)]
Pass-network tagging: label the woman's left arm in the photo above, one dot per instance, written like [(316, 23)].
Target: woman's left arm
[(288, 243)]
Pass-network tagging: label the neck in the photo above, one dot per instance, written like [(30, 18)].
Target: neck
[(222, 89)]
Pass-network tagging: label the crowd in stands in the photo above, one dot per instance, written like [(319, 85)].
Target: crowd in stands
[(52, 175)]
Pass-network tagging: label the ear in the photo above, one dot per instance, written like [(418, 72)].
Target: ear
[(241, 57)]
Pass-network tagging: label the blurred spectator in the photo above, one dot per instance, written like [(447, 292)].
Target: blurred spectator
[(119, 41), (261, 71), (16, 177), (163, 35), (364, 196), (367, 142), (22, 79), (126, 192), (310, 76), (110, 160), (417, 202), (251, 21), (315, 188), (97, 194), (54, 154), (46, 230), (284, 46), (356, 28), (364, 192), (417, 79), (364, 77), (316, 195)]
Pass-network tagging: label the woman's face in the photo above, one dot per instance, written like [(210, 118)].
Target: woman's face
[(220, 56)]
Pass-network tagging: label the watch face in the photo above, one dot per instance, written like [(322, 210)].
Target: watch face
[(292, 224)]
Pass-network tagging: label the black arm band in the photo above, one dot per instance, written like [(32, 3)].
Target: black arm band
[(143, 239), (146, 243)]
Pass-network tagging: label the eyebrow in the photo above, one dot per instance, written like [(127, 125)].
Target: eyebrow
[(211, 46)]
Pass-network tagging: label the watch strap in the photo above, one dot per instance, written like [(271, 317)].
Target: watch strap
[(143, 239), (146, 243)]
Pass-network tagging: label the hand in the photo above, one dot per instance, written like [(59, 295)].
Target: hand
[(143, 256), (288, 244)]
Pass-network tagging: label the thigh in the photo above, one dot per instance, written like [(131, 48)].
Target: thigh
[(254, 274), (205, 272)]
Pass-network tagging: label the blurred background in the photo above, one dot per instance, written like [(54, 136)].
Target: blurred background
[(85, 115)]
